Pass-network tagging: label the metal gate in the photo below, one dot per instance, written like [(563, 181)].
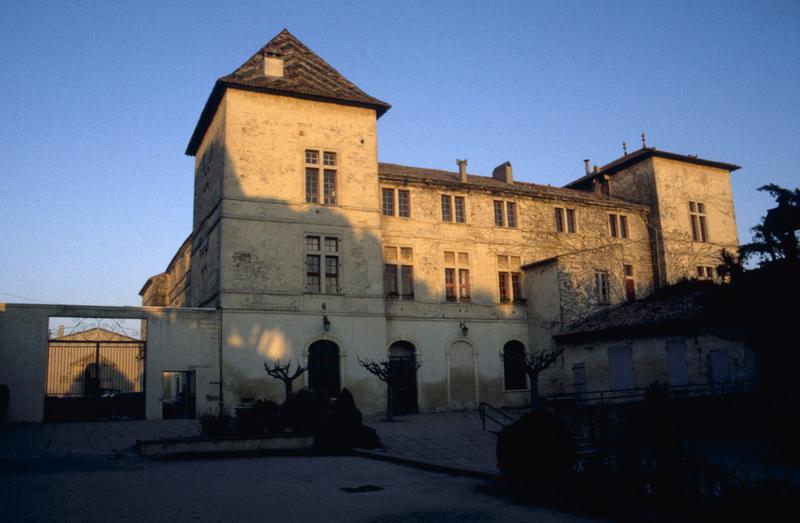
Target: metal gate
[(95, 379)]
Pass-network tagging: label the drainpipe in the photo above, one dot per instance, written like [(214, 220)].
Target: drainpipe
[(221, 401)]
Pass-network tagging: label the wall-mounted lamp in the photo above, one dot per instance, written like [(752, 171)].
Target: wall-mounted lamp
[(464, 328), (326, 323)]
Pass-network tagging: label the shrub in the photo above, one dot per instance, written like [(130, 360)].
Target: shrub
[(215, 425), (305, 411), (335, 425), (344, 429), (263, 416), (537, 451), (4, 397)]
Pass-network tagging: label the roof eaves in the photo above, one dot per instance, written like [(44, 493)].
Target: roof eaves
[(649, 152), (539, 263), (206, 116), (450, 179)]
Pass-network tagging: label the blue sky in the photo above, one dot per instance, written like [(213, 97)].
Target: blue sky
[(99, 99)]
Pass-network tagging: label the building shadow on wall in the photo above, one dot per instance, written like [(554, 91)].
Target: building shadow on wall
[(293, 273)]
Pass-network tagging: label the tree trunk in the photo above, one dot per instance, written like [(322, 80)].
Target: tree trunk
[(287, 388), (389, 402), (535, 404)]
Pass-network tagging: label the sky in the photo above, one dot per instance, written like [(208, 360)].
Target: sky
[(99, 99)]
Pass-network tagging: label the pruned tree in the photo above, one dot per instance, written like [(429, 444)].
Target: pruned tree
[(285, 374), (533, 364), (389, 374)]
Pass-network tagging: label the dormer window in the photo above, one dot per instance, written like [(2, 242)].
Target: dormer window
[(273, 64)]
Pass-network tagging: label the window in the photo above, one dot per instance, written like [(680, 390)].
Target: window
[(630, 285), (456, 276), (705, 272), (328, 172), (460, 216), (618, 225), (511, 213), (387, 202), (451, 203), (697, 216), (398, 273), (565, 220), (601, 281), (505, 214), (509, 279), (514, 366), (447, 212), (498, 213), (403, 205), (322, 252)]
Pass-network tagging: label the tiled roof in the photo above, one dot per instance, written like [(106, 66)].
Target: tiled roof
[(305, 75), (643, 154), (403, 172), (685, 303)]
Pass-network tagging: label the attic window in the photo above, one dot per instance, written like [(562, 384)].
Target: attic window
[(273, 64)]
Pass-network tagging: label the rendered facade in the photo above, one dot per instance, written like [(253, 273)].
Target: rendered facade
[(311, 249)]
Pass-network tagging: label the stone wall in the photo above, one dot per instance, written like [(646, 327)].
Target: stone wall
[(650, 362)]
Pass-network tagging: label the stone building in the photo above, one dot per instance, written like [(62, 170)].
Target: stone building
[(311, 249)]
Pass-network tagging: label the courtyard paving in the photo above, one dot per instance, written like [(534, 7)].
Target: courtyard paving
[(450, 439), (285, 489), (95, 438)]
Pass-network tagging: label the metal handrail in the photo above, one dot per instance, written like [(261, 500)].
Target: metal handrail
[(482, 408), (681, 391)]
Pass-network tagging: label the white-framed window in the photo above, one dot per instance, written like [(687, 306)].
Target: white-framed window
[(456, 276), (565, 220), (321, 170), (618, 226), (454, 208), (398, 272), (509, 279), (396, 202), (601, 287), (322, 264), (505, 213), (705, 272), (697, 217)]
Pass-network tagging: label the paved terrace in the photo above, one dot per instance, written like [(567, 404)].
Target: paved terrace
[(452, 439), (96, 438)]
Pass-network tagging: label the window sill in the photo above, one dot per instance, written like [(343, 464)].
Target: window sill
[(516, 390)]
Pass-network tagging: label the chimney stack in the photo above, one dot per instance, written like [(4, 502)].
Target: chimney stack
[(273, 64), (60, 331), (503, 173), (462, 170), (586, 165)]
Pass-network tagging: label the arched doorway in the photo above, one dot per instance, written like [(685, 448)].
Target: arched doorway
[(461, 367), (323, 367), (514, 377), (403, 363)]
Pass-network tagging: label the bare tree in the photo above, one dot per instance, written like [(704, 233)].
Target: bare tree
[(389, 374), (284, 373), (533, 364)]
